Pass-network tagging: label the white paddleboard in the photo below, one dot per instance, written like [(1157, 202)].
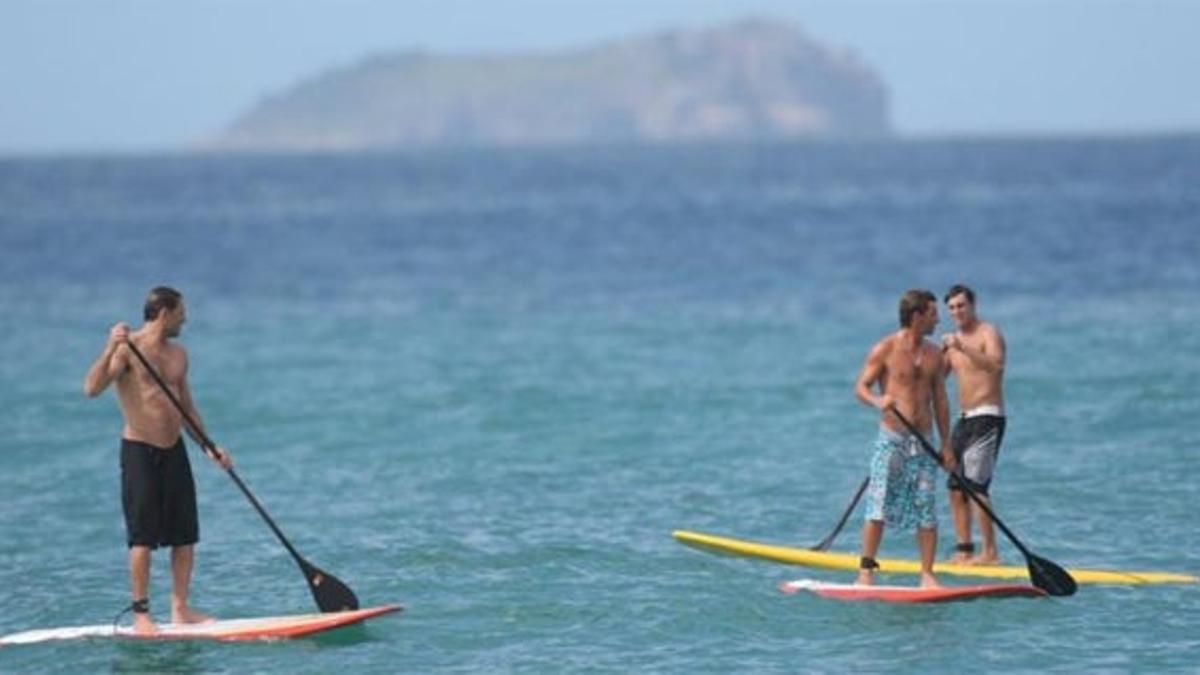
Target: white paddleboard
[(229, 630)]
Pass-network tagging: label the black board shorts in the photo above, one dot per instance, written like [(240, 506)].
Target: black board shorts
[(976, 445), (158, 495)]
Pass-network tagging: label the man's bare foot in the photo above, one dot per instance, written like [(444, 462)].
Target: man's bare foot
[(143, 624), (929, 581), (865, 578), (984, 559), (188, 615)]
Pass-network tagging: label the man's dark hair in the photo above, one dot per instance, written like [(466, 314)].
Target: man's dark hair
[(913, 301), (160, 298), (959, 288)]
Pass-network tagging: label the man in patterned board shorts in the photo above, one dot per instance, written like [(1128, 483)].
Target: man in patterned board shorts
[(905, 371), (975, 354)]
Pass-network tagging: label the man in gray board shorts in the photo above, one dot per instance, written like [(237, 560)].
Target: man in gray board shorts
[(975, 354)]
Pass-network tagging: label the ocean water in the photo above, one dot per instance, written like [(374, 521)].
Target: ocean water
[(488, 384)]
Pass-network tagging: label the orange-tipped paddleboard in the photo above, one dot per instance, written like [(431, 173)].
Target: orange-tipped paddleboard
[(230, 630)]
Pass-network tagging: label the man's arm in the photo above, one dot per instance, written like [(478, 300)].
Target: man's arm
[(941, 414), (110, 364), (872, 371), (222, 456), (189, 406), (945, 368)]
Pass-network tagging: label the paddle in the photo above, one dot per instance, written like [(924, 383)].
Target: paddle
[(837, 529), (1044, 574), (330, 593)]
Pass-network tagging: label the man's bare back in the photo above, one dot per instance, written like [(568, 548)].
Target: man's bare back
[(149, 415)]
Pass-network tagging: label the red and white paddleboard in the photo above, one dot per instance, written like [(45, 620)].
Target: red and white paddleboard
[(230, 630), (855, 592)]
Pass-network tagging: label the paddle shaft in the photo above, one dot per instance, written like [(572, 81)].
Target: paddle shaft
[(962, 484), (1044, 573), (211, 448), (837, 529)]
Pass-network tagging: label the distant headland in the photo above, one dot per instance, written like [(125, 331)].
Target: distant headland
[(751, 80)]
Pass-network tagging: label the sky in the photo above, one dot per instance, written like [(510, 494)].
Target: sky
[(132, 76)]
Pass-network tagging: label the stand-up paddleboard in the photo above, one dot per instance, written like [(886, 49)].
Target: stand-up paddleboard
[(231, 630), (909, 594), (849, 561)]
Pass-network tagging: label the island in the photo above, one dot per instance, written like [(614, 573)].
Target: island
[(757, 80)]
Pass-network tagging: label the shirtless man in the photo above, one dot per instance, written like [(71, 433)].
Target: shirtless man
[(907, 371), (975, 354), (157, 491)]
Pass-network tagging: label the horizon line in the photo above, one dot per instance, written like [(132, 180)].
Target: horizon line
[(965, 135)]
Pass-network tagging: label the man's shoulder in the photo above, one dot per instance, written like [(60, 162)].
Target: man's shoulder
[(884, 344), (175, 349), (990, 329)]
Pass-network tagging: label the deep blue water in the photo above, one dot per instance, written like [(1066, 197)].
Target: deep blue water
[(488, 384)]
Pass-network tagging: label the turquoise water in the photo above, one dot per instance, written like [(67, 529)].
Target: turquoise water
[(487, 385)]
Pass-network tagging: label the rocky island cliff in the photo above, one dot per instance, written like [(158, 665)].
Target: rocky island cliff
[(753, 80)]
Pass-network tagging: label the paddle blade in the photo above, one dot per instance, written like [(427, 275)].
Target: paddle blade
[(330, 593), (825, 543), (1050, 577)]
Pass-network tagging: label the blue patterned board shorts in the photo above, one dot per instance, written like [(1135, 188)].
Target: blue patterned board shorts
[(903, 478)]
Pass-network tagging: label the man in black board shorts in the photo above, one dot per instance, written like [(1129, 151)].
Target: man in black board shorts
[(157, 492), (975, 353)]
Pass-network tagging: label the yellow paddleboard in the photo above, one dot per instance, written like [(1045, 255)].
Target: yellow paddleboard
[(849, 561)]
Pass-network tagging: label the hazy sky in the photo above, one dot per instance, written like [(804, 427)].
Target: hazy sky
[(138, 75)]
